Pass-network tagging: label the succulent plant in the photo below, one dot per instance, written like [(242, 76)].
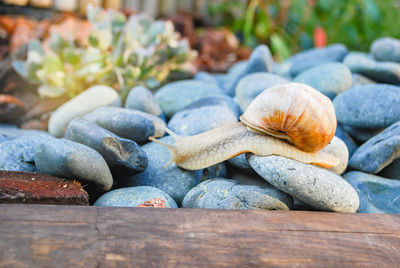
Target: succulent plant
[(121, 52)]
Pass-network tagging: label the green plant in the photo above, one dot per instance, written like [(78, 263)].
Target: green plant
[(288, 26), (121, 53)]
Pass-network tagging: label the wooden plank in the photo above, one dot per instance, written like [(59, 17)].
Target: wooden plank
[(65, 236)]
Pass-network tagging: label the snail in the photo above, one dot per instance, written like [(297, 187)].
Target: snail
[(292, 120)]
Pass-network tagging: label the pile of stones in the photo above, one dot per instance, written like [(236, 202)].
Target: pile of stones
[(104, 144)]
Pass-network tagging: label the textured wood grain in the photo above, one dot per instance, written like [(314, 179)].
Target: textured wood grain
[(69, 236)]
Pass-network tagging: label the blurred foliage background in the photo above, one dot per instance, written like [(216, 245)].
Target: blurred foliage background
[(289, 26)]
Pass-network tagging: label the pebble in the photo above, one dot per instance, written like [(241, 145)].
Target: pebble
[(386, 49), (204, 114), (34, 188), (248, 178), (314, 57), (338, 149), (141, 99), (250, 86), (12, 131), (3, 138), (360, 80), (384, 72), (392, 171), (379, 151), (174, 96), (377, 194), (136, 196), (217, 170), (84, 103), (362, 134), (122, 155), (68, 159), (260, 61), (228, 194), (241, 163), (330, 78), (369, 106), (315, 186), (347, 139), (171, 179), (206, 77), (18, 154), (129, 124)]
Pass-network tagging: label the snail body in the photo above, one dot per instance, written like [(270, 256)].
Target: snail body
[(220, 144), (286, 113)]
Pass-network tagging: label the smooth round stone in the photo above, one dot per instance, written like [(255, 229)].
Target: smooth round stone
[(360, 80), (3, 138), (338, 149), (347, 139), (392, 171), (203, 115), (171, 179), (384, 72), (379, 151), (67, 159), (206, 77), (84, 103), (12, 131), (314, 57), (215, 171), (18, 154), (141, 99), (369, 106), (327, 78), (250, 86), (315, 186), (241, 163), (174, 96), (260, 61), (129, 124), (386, 49), (122, 155), (377, 194), (135, 196), (361, 134), (247, 178), (228, 194)]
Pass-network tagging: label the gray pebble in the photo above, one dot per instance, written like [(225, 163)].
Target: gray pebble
[(141, 99)]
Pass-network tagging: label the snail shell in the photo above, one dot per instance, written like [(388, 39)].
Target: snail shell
[(295, 112)]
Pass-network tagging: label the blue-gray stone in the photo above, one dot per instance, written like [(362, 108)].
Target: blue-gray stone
[(68, 159), (122, 155), (360, 80), (260, 61), (347, 139), (361, 135), (3, 138), (18, 154), (12, 131), (314, 57), (204, 114), (141, 99), (206, 77), (327, 78), (384, 72), (315, 186), (171, 179), (241, 163), (392, 171), (215, 171), (377, 194), (369, 106), (129, 124), (134, 196), (252, 85), (228, 194), (378, 152), (386, 49), (174, 96), (247, 178)]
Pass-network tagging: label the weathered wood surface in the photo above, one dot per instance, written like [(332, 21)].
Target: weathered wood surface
[(71, 236)]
